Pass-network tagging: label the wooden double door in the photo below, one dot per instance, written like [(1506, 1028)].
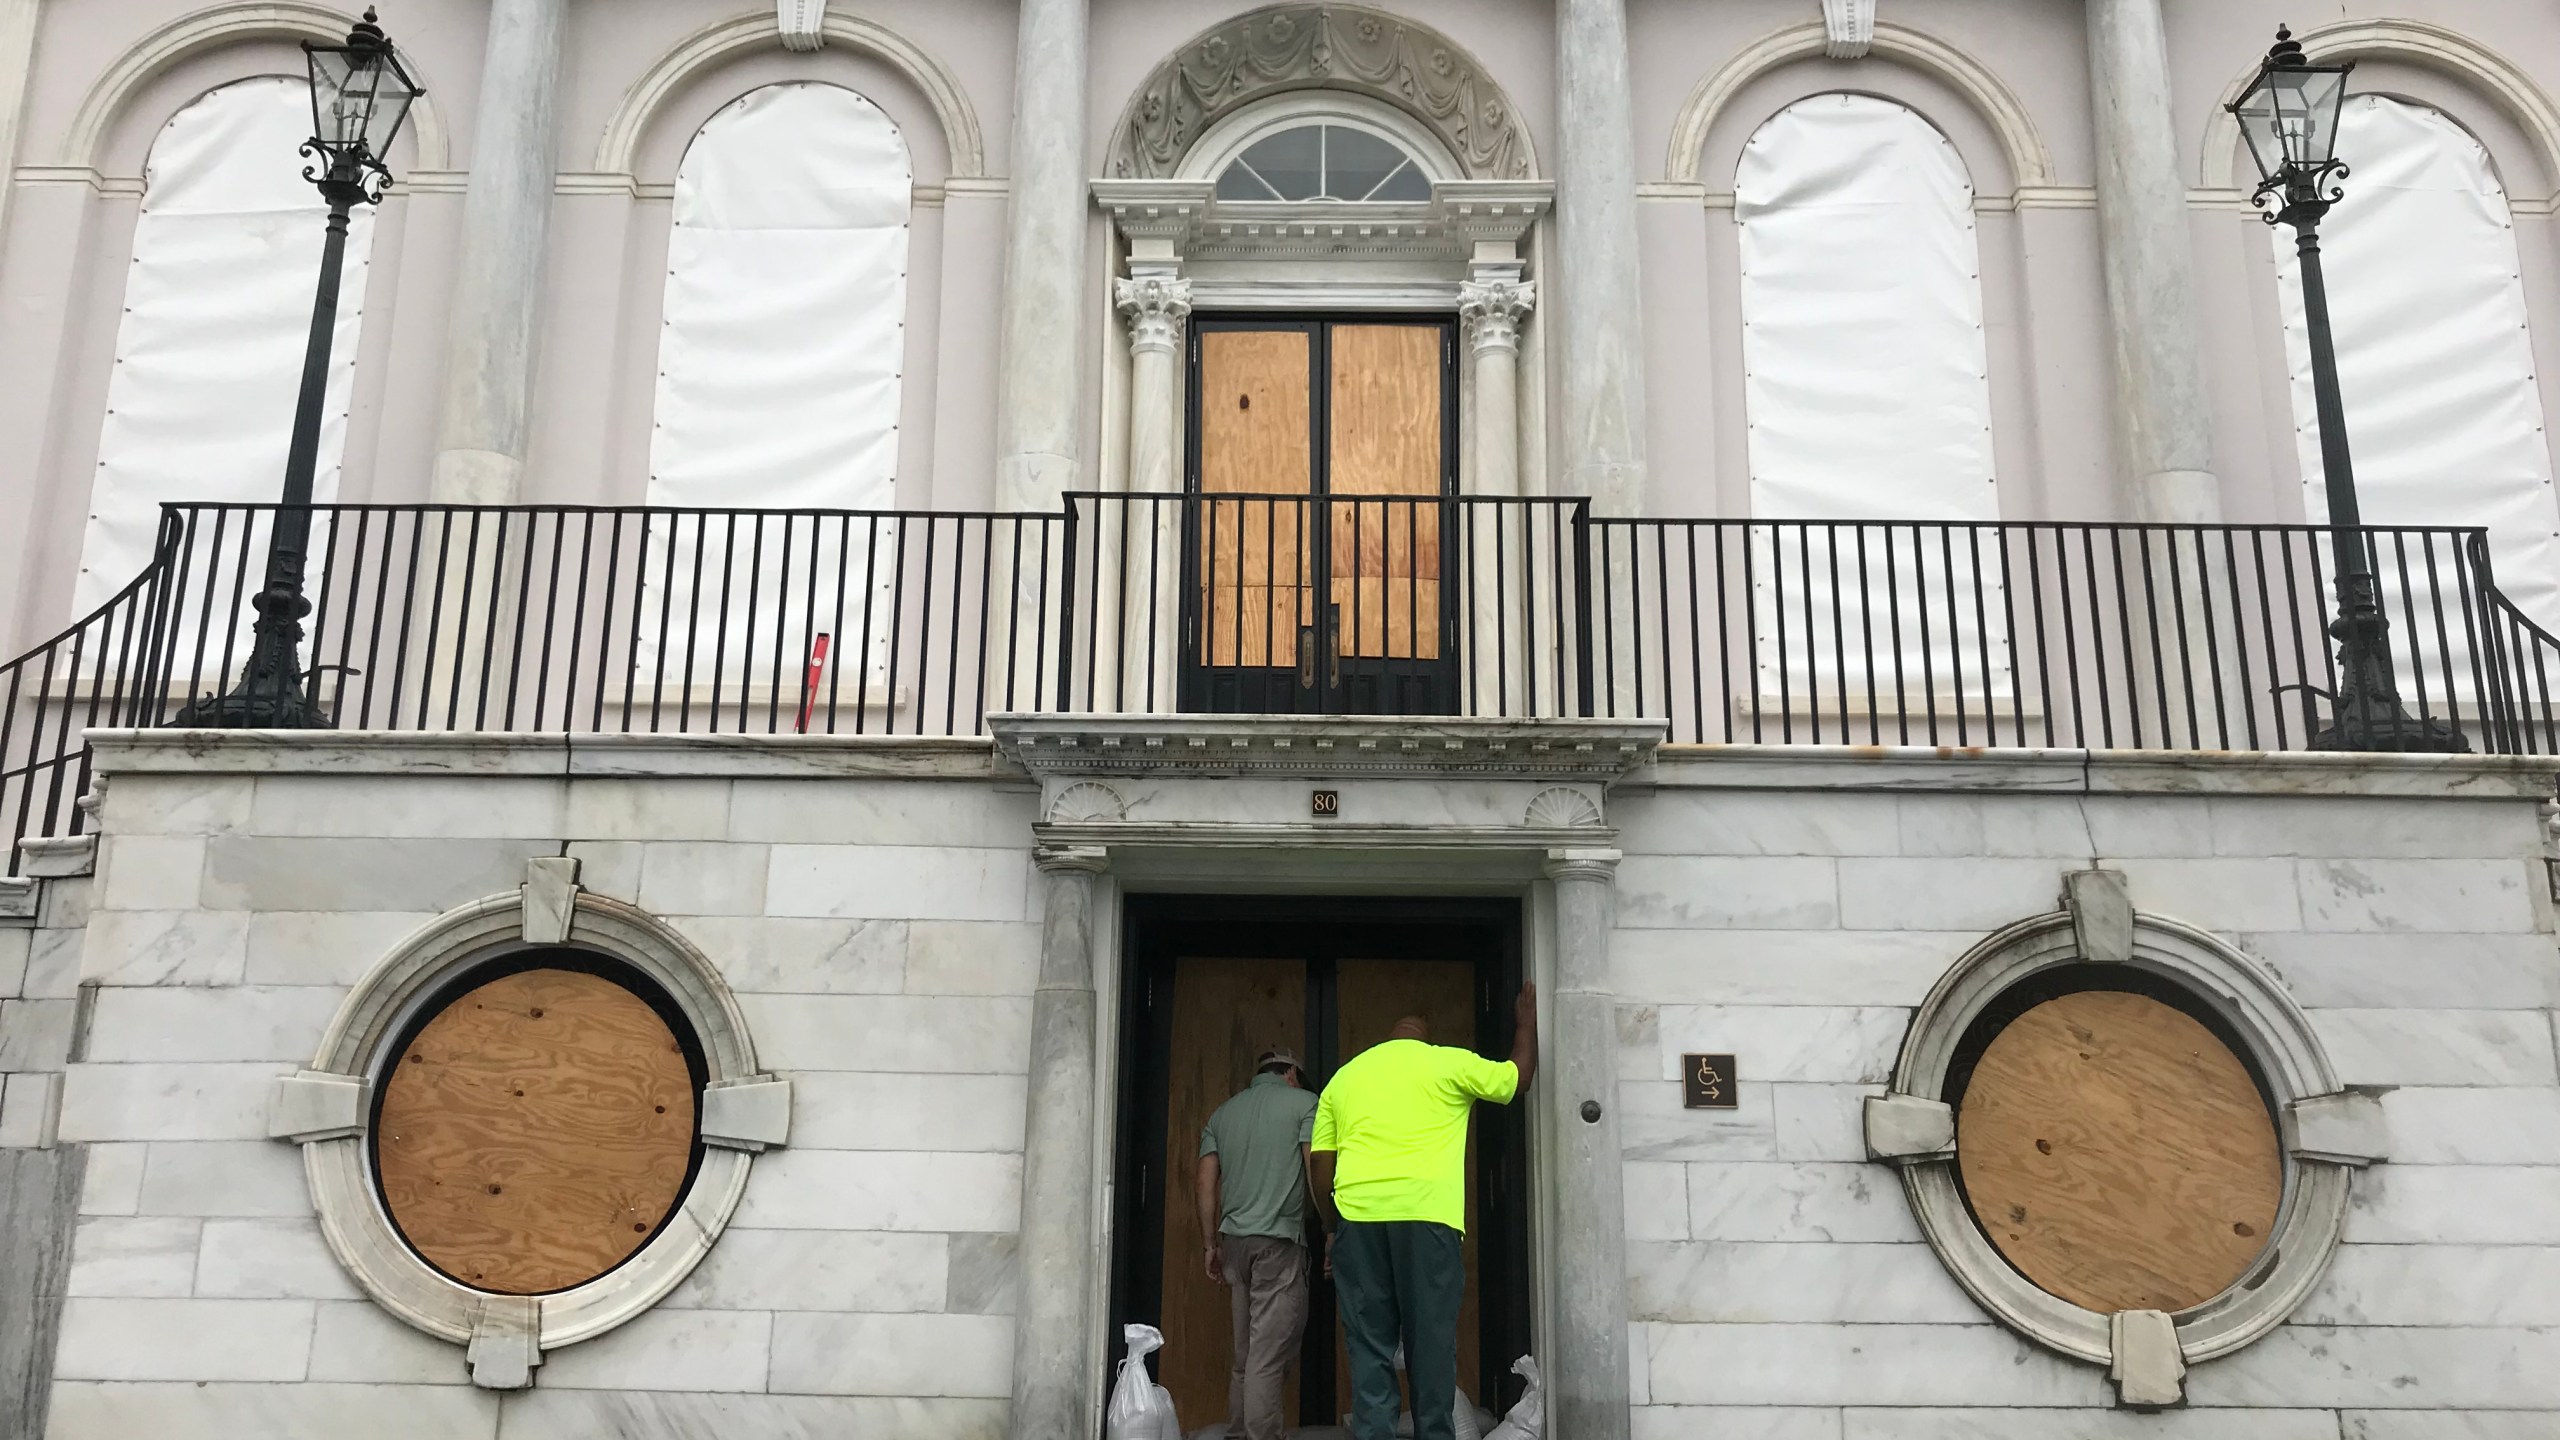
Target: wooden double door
[(1214, 982), (1323, 454)]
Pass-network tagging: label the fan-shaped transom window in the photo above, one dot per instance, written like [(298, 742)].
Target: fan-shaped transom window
[(1323, 161)]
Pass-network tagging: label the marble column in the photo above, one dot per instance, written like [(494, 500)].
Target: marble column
[(1060, 1254), (494, 310), (1040, 350), (17, 67), (1491, 308), (2164, 423), (1599, 299), (1155, 304), (1587, 1378), (2165, 426), (1492, 311), (1155, 307)]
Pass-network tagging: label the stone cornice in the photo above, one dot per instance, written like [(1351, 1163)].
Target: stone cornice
[(446, 753), (1324, 745), (2096, 772)]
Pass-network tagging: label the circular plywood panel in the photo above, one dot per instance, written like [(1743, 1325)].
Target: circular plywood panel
[(2117, 1153), (536, 1132)]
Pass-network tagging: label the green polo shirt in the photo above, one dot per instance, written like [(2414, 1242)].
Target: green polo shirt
[(1397, 1115), (1262, 1184)]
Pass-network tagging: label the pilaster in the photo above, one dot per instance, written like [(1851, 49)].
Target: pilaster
[(1587, 1387), (1053, 1384)]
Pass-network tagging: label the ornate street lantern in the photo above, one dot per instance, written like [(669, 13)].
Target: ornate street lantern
[(2289, 116), (360, 94)]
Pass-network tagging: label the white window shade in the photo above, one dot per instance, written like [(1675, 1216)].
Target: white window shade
[(779, 368), (2444, 415), (1868, 399), (208, 362)]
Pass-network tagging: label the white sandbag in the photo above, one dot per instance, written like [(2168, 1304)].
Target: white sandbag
[(1463, 1424), (1528, 1418), (1140, 1408)]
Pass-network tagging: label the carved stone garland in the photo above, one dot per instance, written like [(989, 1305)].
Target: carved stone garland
[(1302, 47)]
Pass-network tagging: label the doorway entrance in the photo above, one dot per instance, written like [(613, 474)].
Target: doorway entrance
[(1214, 981), (1323, 453)]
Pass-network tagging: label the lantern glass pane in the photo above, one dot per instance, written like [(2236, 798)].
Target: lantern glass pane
[(358, 99)]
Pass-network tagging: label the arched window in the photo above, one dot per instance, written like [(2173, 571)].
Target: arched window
[(780, 359), (1868, 397), (217, 311), (1324, 161), (2426, 300)]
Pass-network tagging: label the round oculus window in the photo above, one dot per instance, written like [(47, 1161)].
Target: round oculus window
[(537, 1127), (2117, 1152)]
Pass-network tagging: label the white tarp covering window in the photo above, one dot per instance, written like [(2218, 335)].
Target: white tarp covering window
[(208, 364), (2444, 418), (1869, 398), (778, 373)]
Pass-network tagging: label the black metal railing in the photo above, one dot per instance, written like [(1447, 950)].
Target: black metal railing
[(600, 619)]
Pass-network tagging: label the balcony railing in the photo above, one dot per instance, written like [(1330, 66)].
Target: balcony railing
[(587, 619)]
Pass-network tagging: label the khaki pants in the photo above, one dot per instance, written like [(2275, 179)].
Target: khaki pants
[(1267, 1290)]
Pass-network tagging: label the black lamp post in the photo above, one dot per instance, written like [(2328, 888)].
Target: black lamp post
[(360, 93), (2289, 116)]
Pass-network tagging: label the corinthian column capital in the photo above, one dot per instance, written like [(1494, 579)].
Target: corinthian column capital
[(1493, 310), (1155, 307)]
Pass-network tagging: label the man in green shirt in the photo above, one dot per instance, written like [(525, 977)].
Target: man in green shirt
[(1389, 1156), (1251, 1193)]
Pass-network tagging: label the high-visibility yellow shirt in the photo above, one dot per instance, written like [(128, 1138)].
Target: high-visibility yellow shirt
[(1396, 1116)]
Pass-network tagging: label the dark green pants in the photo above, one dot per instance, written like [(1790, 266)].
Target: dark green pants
[(1400, 1280)]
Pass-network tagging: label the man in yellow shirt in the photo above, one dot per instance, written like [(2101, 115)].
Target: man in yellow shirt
[(1389, 1155)]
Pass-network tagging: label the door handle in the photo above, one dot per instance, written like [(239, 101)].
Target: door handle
[(1306, 657)]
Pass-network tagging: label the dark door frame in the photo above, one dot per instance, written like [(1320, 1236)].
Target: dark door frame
[(1197, 684), (1157, 929)]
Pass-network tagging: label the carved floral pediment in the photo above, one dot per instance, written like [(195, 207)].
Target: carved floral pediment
[(1333, 47)]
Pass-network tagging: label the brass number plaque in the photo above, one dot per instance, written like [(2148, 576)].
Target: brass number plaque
[(1706, 1083), (1328, 802)]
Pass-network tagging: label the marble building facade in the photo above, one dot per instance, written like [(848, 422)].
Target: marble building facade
[(907, 956)]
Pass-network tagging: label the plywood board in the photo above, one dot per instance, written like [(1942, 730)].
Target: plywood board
[(1385, 416), (1386, 439), (536, 1132), (2118, 1154), (1225, 1014), (1372, 995), (1254, 557), (1256, 438)]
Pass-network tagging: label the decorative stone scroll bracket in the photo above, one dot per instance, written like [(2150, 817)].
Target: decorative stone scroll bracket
[(1848, 28)]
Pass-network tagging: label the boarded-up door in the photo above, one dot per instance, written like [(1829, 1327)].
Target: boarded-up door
[(1307, 429), (1329, 991)]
